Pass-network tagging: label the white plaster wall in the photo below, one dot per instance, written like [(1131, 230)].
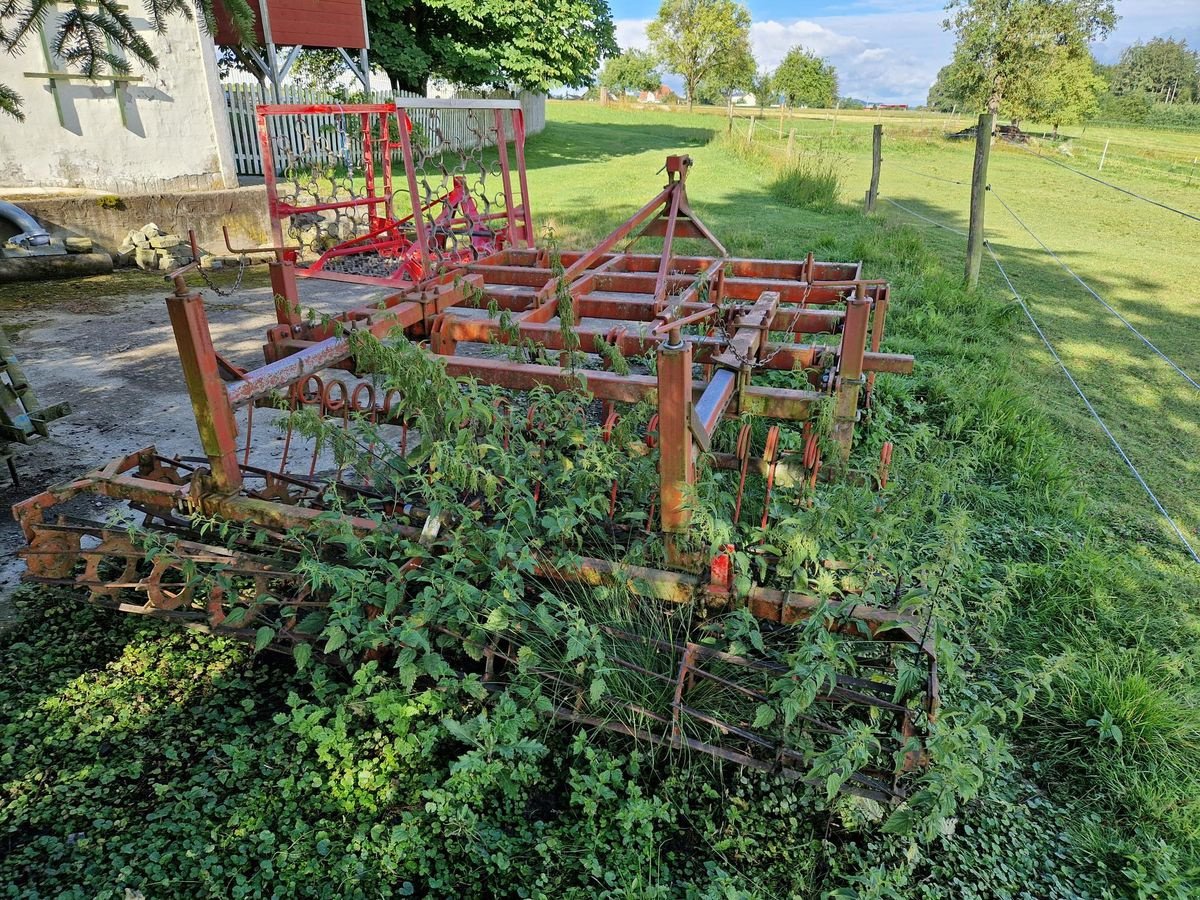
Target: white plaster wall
[(176, 135)]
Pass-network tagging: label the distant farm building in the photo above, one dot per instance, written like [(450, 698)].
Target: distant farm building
[(661, 95)]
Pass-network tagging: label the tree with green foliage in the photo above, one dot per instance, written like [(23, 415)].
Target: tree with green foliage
[(1069, 93), (805, 79), (1164, 69), (763, 87), (534, 44), (944, 95), (631, 70), (1006, 48), (93, 38), (738, 74), (704, 41)]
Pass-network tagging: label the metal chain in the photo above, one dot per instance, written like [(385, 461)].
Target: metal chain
[(791, 329), (237, 284)]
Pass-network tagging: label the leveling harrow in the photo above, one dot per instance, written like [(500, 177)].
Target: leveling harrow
[(703, 338)]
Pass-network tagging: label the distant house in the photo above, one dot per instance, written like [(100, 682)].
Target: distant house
[(745, 100), (661, 95), (888, 106)]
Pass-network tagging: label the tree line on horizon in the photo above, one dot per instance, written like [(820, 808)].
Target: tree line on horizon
[(707, 44), (1021, 59)]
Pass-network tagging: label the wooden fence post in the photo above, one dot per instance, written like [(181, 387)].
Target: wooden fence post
[(983, 143), (750, 138), (1103, 155), (876, 160)]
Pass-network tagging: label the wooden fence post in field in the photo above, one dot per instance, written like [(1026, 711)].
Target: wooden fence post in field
[(1103, 155), (983, 144), (791, 145), (750, 137), (876, 160)]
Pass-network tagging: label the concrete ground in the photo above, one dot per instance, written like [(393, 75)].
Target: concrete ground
[(105, 346)]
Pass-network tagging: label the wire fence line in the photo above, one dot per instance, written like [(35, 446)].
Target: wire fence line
[(1087, 287), (927, 174), (913, 212), (1115, 187), (1183, 539), (1088, 403)]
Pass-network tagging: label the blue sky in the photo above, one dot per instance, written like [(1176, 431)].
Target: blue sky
[(890, 50)]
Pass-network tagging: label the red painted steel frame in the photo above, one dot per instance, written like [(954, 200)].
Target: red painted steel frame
[(409, 238), (714, 324)]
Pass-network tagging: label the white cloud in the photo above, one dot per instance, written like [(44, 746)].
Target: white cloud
[(631, 33), (771, 40), (891, 50)]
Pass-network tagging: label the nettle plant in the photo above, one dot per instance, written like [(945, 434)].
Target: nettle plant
[(510, 486)]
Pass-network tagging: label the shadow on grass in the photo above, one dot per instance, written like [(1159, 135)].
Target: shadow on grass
[(571, 143)]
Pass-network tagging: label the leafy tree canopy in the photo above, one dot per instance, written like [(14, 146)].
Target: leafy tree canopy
[(1007, 51), (943, 96), (704, 41), (763, 86), (632, 70), (1165, 69), (805, 79), (535, 44)]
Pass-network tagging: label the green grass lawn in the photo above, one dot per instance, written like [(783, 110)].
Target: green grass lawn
[(1066, 760)]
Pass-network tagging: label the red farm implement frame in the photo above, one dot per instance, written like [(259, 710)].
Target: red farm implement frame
[(454, 246), (330, 193)]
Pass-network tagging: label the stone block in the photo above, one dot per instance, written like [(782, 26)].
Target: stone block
[(165, 241), (151, 230), (146, 259), (78, 244)]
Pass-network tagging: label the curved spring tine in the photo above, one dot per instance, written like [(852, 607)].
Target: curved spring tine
[(610, 422), (743, 453), (771, 454)]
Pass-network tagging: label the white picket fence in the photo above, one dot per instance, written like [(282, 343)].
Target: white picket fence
[(454, 125)]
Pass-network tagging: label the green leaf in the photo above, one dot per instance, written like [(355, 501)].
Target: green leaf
[(302, 653), (263, 637), (337, 639), (597, 690), (764, 715), (902, 821)]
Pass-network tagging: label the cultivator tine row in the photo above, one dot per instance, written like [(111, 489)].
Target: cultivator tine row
[(699, 340)]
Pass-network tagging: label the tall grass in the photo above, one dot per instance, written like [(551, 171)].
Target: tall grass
[(809, 182)]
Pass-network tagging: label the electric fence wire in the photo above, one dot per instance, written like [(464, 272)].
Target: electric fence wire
[(1087, 287), (896, 165), (1115, 187), (1088, 403), (913, 212), (1071, 378)]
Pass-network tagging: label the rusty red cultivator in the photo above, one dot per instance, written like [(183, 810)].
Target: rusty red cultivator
[(454, 244)]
